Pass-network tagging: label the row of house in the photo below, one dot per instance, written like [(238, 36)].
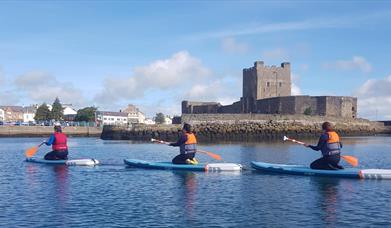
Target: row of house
[(128, 116), (26, 114)]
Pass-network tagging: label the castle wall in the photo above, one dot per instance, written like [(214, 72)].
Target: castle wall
[(200, 107), (341, 106), (321, 105), (233, 108)]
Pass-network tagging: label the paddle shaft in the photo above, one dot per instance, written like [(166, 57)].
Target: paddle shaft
[(295, 141)]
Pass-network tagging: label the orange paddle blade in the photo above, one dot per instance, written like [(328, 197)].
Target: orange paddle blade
[(215, 156), (351, 160), (30, 152)]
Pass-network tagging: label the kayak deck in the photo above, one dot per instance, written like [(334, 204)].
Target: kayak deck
[(307, 171), (216, 167), (70, 162)]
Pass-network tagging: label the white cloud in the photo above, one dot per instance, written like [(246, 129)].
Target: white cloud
[(347, 21), (374, 99), (295, 89), (40, 87), (176, 73), (275, 54), (223, 90), (356, 63), (230, 45)]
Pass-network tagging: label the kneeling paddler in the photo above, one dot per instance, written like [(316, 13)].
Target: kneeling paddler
[(330, 146), (187, 144)]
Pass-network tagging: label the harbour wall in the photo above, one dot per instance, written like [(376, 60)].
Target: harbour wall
[(246, 127), (38, 131)]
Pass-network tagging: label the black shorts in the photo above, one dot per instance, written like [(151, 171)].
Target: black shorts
[(57, 155)]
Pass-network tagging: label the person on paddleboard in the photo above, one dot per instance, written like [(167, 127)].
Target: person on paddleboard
[(187, 146), (58, 141), (330, 146)]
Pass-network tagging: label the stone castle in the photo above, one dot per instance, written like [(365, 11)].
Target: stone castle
[(267, 90)]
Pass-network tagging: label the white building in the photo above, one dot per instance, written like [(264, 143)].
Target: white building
[(149, 121), (2, 117), (134, 114), (69, 110), (29, 114), (111, 118), (167, 120)]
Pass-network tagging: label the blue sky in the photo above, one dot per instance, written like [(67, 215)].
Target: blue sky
[(155, 54)]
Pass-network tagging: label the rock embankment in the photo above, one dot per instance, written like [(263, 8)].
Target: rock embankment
[(246, 130)]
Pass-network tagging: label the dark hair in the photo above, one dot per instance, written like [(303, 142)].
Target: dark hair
[(187, 127), (57, 128), (327, 126)]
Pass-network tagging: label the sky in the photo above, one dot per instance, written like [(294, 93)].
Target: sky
[(154, 54)]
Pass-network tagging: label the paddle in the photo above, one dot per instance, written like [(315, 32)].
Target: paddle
[(31, 151), (349, 159), (213, 155)]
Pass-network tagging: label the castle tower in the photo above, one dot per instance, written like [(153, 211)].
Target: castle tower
[(262, 81)]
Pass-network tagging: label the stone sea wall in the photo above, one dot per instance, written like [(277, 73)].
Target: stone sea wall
[(245, 127), (43, 131)]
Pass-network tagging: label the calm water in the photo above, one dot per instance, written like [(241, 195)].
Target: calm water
[(111, 195)]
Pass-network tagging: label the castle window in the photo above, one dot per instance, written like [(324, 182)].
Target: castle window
[(268, 84), (280, 84)]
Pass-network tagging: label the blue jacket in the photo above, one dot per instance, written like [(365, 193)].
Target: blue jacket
[(326, 148)]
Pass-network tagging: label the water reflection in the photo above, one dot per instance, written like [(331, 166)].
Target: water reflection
[(187, 191), (328, 198)]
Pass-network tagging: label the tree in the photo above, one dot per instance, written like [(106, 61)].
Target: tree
[(159, 118), (86, 114), (308, 111), (42, 113), (57, 110)]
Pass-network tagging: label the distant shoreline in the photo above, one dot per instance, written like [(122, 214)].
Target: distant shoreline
[(43, 131)]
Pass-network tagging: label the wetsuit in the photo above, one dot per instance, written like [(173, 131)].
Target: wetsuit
[(58, 141), (330, 146), (187, 145)]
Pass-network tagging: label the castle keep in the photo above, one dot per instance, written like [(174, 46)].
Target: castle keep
[(262, 81), (267, 90)]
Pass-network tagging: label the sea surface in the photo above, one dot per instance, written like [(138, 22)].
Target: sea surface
[(112, 195)]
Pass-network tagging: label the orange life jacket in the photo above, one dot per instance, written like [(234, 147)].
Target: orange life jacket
[(333, 144), (190, 146)]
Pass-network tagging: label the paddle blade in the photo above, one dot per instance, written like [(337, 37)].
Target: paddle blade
[(351, 160), (213, 155), (30, 152), (285, 138)]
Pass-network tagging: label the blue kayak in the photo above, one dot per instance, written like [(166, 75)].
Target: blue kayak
[(85, 161), (168, 165), (307, 171)]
